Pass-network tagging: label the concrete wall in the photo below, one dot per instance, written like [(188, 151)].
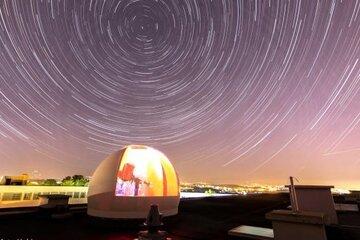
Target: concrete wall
[(297, 231), (317, 199), (24, 196)]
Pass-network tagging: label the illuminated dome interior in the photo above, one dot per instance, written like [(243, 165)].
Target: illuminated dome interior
[(129, 181)]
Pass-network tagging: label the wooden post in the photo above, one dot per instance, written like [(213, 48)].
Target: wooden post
[(293, 198)]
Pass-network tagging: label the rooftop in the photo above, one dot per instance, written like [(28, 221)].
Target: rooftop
[(207, 218)]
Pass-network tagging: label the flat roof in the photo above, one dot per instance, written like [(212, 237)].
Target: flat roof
[(311, 186), (299, 217)]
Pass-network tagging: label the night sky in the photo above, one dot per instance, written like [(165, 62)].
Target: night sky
[(230, 91)]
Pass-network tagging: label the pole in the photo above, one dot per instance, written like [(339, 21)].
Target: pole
[(293, 198)]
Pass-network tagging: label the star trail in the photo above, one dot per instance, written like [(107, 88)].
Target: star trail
[(232, 91)]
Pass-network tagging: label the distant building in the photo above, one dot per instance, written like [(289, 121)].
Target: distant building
[(15, 180)]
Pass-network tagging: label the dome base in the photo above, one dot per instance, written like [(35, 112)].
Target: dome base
[(127, 215)]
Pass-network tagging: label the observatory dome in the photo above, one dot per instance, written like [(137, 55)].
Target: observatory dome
[(129, 181)]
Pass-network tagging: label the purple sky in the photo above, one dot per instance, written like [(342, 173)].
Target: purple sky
[(230, 91)]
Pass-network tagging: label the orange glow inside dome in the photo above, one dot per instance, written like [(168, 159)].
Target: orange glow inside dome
[(145, 171)]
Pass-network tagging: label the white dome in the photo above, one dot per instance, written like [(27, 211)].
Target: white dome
[(129, 181)]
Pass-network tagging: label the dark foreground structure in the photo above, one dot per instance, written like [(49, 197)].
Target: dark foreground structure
[(207, 218)]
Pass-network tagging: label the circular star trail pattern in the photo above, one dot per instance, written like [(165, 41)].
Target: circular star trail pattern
[(230, 90)]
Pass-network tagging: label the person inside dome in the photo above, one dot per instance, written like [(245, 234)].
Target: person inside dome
[(128, 184)]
